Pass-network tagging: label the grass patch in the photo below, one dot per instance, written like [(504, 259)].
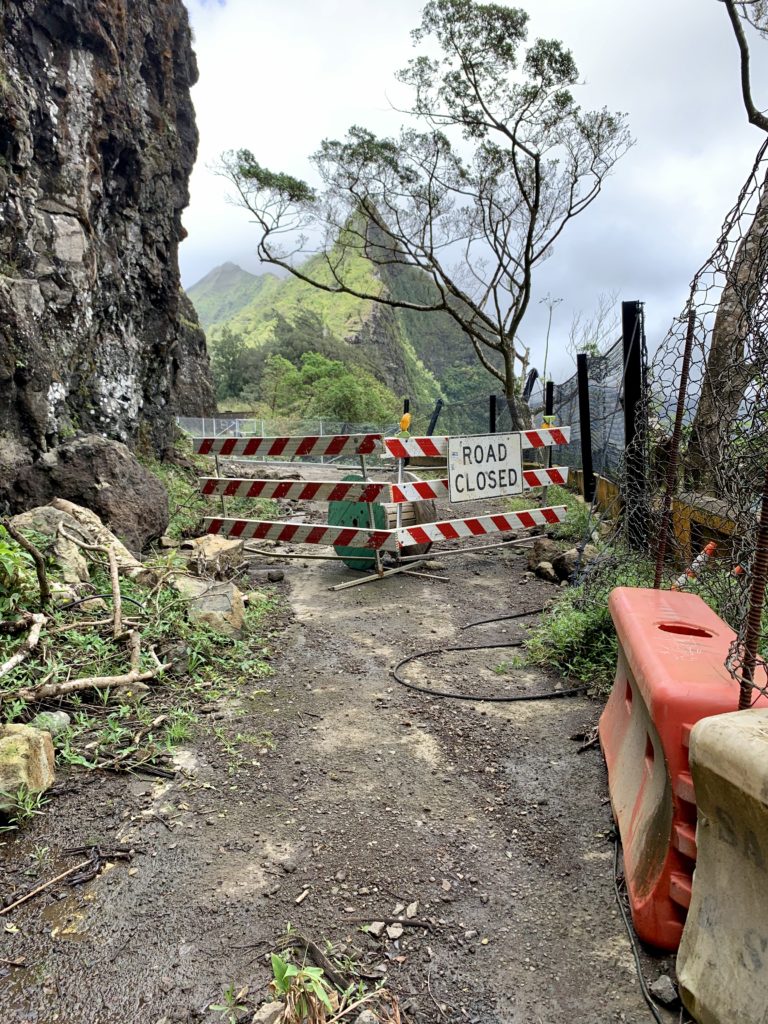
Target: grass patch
[(577, 524), (130, 724), (577, 636)]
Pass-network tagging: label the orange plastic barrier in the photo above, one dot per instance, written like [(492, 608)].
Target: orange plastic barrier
[(670, 673)]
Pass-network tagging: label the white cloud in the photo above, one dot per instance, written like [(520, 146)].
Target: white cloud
[(277, 78)]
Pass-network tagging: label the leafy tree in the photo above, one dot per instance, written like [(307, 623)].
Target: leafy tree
[(231, 363), (280, 385), (498, 160)]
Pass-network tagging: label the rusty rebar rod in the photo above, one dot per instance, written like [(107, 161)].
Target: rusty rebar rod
[(674, 448), (756, 602)]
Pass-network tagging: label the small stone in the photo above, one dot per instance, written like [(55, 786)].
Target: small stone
[(445, 885), (268, 1013), (412, 909), (53, 722), (394, 931), (367, 1017), (664, 990), (376, 928)]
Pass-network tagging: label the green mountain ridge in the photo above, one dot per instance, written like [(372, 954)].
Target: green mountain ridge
[(424, 356), (225, 290)]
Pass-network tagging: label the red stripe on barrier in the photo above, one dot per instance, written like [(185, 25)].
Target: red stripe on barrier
[(255, 489), (278, 446), (205, 446), (549, 515), (418, 535), (283, 488), (287, 532), (448, 531), (209, 487), (475, 527), (316, 535), (534, 438), (306, 446), (368, 444), (558, 436), (337, 444), (215, 526), (345, 538), (501, 522), (252, 447), (231, 488), (310, 491), (227, 446), (396, 449), (237, 528), (526, 519)]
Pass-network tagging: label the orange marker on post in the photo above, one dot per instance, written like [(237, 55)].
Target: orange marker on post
[(696, 566)]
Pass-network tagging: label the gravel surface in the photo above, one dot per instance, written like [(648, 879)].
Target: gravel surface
[(368, 799)]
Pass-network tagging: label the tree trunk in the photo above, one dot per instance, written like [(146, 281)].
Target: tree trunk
[(727, 373)]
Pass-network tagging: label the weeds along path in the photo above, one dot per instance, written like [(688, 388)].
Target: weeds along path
[(336, 798)]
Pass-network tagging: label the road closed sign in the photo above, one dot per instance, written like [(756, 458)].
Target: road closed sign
[(484, 466)]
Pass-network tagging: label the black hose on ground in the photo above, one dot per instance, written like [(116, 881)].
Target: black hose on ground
[(483, 698)]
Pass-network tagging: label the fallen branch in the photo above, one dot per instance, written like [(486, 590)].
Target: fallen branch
[(117, 600), (13, 628), (38, 621), (88, 683), (45, 885), (29, 547)]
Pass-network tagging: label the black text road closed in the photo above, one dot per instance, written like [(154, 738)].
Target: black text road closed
[(484, 466)]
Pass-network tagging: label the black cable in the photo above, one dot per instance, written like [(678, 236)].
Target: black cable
[(549, 695), (503, 618), (631, 933), (94, 597)]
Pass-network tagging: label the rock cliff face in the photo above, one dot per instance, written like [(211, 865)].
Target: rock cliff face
[(97, 141)]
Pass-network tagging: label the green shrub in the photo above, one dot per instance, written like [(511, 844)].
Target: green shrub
[(577, 636)]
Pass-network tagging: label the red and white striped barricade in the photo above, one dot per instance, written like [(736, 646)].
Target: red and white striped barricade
[(398, 538)]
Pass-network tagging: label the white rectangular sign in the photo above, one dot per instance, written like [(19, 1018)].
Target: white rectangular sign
[(484, 466)]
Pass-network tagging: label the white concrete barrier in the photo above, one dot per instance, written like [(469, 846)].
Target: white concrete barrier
[(722, 965)]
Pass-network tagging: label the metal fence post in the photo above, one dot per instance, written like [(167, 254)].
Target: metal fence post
[(492, 414), (633, 338), (585, 426)]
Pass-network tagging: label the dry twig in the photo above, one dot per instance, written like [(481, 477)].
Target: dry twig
[(45, 885)]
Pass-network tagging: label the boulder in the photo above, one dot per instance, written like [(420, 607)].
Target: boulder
[(565, 563), (545, 571), (68, 556), (105, 477), (213, 556), (218, 605), (543, 550), (26, 761), (83, 523)]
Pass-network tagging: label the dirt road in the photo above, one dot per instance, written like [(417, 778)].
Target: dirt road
[(366, 797)]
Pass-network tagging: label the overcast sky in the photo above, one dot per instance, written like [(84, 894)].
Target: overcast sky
[(277, 77)]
